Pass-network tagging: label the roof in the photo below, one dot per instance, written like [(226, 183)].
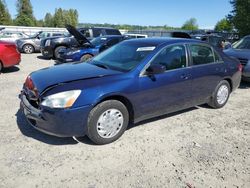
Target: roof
[(162, 40)]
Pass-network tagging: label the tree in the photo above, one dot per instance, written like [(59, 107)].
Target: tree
[(25, 14), (58, 18), (5, 18), (190, 24), (61, 18), (73, 14), (224, 25), (48, 20), (240, 16)]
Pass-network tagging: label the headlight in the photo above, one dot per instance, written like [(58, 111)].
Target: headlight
[(73, 52), (47, 43), (61, 100)]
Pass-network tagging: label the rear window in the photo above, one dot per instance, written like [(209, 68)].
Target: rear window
[(112, 32)]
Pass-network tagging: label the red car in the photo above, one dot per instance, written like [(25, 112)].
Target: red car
[(9, 55)]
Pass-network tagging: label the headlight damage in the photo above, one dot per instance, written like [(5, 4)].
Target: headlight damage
[(61, 100)]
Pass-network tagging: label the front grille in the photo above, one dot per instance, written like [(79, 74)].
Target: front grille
[(243, 61)]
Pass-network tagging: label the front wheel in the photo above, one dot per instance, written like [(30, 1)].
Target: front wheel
[(107, 122), (28, 49), (220, 95), (85, 57), (56, 51)]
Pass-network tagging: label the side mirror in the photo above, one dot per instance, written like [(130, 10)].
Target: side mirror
[(38, 37), (155, 69)]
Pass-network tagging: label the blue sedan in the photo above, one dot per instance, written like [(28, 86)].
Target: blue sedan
[(91, 49), (132, 81)]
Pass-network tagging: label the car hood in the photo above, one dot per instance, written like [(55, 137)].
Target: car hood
[(66, 73), (238, 53), (81, 39)]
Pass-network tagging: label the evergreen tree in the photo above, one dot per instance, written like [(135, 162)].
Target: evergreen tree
[(240, 16), (5, 18), (25, 14), (48, 20), (58, 18)]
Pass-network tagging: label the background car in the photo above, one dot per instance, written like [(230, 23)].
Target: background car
[(50, 47), (241, 51), (89, 50), (9, 55), (215, 40), (12, 36), (135, 36), (132, 81), (32, 44)]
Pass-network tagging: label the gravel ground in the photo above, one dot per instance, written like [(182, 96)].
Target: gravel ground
[(198, 147)]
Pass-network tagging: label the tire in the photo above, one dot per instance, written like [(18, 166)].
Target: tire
[(28, 49), (220, 95), (56, 51), (85, 57), (1, 66), (107, 122)]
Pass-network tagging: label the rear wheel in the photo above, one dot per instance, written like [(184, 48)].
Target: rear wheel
[(28, 49), (107, 122), (85, 57), (220, 95), (56, 51)]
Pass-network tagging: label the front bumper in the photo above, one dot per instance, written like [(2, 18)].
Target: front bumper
[(47, 52), (57, 122)]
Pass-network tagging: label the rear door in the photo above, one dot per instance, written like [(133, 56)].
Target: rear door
[(207, 69)]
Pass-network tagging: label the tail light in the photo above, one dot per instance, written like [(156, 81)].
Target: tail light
[(240, 67)]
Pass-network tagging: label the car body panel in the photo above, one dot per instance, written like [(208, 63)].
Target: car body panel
[(243, 55), (148, 95), (9, 55)]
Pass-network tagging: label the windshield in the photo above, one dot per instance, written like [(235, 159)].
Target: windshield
[(98, 41), (36, 34), (242, 44), (124, 56)]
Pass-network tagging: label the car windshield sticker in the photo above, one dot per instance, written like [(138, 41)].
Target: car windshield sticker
[(150, 48)]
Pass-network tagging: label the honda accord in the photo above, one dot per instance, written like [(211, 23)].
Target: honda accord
[(132, 81)]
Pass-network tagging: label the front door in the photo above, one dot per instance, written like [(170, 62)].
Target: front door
[(168, 91)]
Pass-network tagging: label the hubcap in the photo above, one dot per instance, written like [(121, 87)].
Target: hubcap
[(222, 94), (28, 49), (109, 123), (85, 58)]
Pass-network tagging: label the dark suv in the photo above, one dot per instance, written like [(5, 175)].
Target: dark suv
[(50, 47)]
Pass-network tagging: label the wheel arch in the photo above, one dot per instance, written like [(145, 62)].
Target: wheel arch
[(229, 80), (124, 100)]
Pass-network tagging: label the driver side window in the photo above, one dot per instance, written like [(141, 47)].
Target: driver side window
[(172, 57)]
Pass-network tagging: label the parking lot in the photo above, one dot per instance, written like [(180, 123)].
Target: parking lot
[(197, 147)]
